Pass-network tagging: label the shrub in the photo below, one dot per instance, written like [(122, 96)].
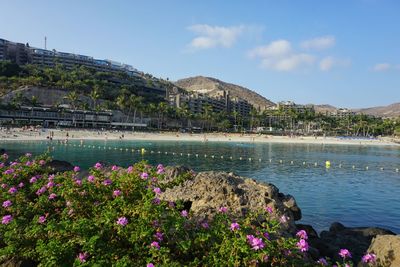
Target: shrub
[(113, 217)]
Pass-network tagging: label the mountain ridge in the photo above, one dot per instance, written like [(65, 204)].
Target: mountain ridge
[(210, 85)]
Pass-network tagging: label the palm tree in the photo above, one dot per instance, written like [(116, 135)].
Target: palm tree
[(135, 102), (207, 110), (253, 113), (162, 109), (94, 95), (72, 98)]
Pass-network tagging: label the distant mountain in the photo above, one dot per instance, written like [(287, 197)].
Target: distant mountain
[(389, 111), (324, 108), (211, 86)]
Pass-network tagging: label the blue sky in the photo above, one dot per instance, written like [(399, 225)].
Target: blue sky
[(343, 52)]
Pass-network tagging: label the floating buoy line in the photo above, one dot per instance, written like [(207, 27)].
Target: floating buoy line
[(143, 152)]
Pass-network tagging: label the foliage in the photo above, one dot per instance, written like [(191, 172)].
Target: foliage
[(114, 217)]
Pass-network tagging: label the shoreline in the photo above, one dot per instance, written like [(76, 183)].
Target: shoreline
[(18, 134)]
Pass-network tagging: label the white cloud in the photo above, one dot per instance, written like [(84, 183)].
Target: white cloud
[(288, 62), (274, 49), (382, 67), (327, 63), (279, 55), (214, 36), (319, 43)]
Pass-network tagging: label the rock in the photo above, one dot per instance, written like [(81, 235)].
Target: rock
[(355, 239), (206, 192), (291, 204), (387, 249), (59, 165), (172, 172)]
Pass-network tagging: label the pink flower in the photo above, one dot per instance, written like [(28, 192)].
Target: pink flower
[(156, 201), (28, 155), (117, 193), (42, 219), (7, 203), (344, 253), (302, 245), (302, 234), (155, 244), (28, 163), (41, 191), (21, 184), (33, 180), (42, 162), (4, 186), (77, 169), (51, 177), (78, 182), (160, 169), (129, 169), (91, 178), (82, 256), (144, 175), (6, 219), (150, 265), (107, 182), (235, 226), (223, 209), (114, 168), (98, 166), (122, 221), (157, 190), (369, 258), (283, 219), (12, 190), (50, 184), (9, 171), (266, 235), (52, 196), (255, 243), (159, 236), (184, 213), (205, 225), (269, 209), (323, 262)]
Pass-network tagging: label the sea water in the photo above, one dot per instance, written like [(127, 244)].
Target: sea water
[(361, 187)]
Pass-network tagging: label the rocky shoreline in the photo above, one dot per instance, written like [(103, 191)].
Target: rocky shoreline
[(209, 190), (206, 192)]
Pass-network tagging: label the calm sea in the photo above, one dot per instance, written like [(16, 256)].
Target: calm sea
[(361, 188)]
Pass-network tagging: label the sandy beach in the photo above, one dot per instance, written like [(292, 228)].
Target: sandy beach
[(74, 134)]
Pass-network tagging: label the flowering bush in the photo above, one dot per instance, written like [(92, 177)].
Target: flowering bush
[(113, 216)]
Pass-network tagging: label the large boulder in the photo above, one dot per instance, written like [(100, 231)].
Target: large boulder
[(59, 165), (387, 250), (206, 192)]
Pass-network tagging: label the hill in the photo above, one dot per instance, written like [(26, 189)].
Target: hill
[(210, 86), (389, 111), (324, 108)]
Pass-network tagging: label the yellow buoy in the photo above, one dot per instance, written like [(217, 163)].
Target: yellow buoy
[(327, 164), (143, 150)]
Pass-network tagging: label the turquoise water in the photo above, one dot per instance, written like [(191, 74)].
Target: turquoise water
[(354, 196)]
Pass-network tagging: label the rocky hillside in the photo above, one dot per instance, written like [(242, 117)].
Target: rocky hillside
[(324, 108), (211, 86), (389, 111)]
